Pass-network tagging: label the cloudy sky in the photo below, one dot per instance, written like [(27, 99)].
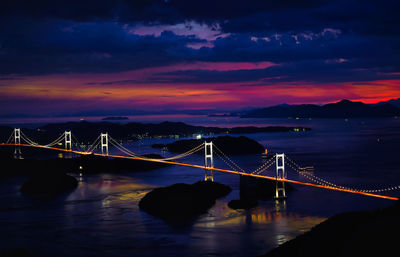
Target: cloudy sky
[(109, 56)]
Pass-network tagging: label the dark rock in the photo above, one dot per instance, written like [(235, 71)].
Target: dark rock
[(244, 203), (49, 183), (181, 203), (212, 189)]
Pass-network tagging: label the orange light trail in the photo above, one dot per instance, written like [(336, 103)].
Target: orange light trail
[(216, 169)]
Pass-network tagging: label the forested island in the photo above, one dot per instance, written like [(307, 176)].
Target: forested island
[(227, 144)]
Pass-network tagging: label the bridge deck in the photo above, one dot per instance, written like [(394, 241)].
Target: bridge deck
[(216, 169)]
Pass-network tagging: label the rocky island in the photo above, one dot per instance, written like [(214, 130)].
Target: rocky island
[(49, 183), (180, 203)]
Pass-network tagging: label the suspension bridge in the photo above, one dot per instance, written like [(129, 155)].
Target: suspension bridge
[(281, 161)]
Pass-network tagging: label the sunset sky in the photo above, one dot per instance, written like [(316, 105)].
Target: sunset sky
[(110, 57)]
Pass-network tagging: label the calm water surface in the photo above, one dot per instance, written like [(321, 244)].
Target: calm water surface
[(101, 217)]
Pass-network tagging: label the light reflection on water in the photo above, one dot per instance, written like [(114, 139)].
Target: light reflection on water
[(106, 207), (101, 217)]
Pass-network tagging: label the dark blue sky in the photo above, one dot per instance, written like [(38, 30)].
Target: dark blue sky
[(71, 56)]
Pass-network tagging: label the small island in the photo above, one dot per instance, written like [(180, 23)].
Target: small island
[(49, 183), (227, 144), (180, 203)]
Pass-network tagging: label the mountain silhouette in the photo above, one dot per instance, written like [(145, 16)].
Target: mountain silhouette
[(342, 109)]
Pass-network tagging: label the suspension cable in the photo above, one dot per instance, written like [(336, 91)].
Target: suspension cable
[(130, 153), (327, 183), (121, 147), (229, 159), (226, 162), (258, 171), (24, 137), (187, 153), (29, 141), (263, 167), (93, 145), (9, 140), (58, 140), (75, 138)]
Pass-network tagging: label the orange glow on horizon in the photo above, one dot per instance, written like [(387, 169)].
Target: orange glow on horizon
[(127, 90)]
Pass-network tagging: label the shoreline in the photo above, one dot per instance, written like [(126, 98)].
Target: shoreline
[(355, 233)]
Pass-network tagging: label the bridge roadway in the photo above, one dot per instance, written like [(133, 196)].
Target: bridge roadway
[(216, 169)]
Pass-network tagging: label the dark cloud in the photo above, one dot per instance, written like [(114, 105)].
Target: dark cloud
[(117, 82), (163, 11), (310, 40), (56, 46), (235, 16)]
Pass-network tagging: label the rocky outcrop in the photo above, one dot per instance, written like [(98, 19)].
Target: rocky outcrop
[(180, 203), (49, 183)]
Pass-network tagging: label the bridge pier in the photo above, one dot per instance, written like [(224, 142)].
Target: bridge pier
[(208, 162), (280, 192)]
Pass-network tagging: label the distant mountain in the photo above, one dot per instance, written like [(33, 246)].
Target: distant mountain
[(115, 118), (395, 102), (342, 109)]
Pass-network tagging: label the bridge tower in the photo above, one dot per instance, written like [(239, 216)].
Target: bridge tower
[(17, 136), (17, 141), (208, 161), (104, 143), (68, 140), (280, 192)]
